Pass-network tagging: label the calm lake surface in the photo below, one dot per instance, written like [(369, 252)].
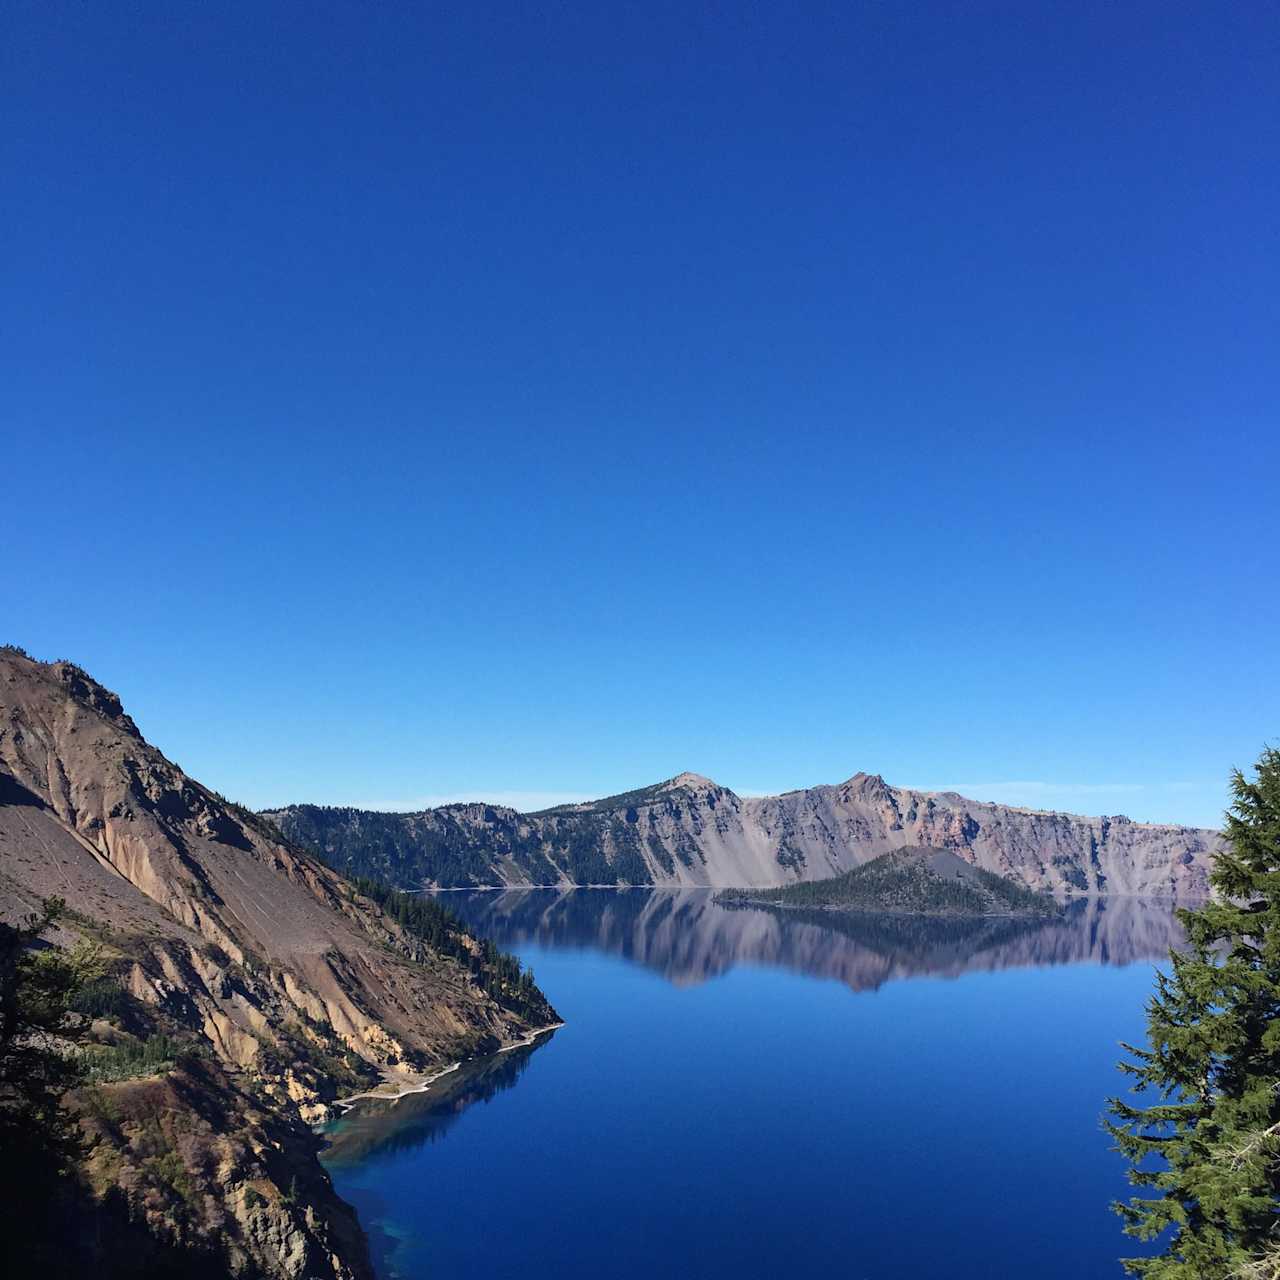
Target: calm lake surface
[(743, 1093)]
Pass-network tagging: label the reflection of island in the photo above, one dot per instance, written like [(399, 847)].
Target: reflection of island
[(688, 937), (418, 1118)]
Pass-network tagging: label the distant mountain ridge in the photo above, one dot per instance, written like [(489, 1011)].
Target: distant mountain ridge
[(691, 831)]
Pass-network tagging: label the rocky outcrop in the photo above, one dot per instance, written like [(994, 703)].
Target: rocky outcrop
[(213, 1172), (691, 831), (295, 984)]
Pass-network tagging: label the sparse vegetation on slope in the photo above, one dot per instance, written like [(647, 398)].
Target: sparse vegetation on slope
[(458, 846), (498, 973)]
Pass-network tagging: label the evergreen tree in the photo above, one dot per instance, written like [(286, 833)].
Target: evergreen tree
[(39, 1139), (37, 1064), (1205, 1140)]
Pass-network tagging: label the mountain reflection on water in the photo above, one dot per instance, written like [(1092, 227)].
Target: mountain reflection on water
[(688, 937), (771, 1122), (421, 1118)]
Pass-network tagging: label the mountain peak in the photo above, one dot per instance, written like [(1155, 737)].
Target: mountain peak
[(687, 781), (75, 680), (865, 780)]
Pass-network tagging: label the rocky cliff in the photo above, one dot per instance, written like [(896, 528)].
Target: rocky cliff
[(691, 831), (286, 982)]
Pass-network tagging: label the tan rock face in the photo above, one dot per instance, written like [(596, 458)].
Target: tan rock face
[(269, 934), (689, 831), (223, 928)]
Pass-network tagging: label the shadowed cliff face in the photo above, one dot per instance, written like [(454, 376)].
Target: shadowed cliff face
[(690, 831), (688, 937)]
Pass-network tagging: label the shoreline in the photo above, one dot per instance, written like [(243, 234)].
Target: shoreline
[(421, 1084), (1058, 895)]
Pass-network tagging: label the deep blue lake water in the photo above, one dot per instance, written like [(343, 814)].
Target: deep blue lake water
[(742, 1093)]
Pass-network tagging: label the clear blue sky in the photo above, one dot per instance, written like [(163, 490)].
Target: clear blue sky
[(536, 400)]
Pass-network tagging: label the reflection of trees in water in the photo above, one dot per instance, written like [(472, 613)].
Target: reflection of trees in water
[(573, 918), (923, 939), (687, 936), (374, 1127)]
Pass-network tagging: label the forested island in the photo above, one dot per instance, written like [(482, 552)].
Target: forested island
[(913, 880)]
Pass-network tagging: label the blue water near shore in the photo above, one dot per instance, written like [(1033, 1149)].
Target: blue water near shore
[(735, 1094)]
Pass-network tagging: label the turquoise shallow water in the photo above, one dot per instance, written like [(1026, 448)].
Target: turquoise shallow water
[(739, 1093)]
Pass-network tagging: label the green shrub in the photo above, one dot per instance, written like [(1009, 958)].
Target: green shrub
[(156, 1054), (102, 998)]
